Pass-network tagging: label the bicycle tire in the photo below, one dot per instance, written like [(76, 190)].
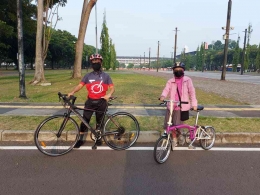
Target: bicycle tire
[(127, 128), (206, 143), (162, 149), (45, 136)]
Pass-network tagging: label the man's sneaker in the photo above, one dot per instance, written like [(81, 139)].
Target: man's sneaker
[(79, 143)]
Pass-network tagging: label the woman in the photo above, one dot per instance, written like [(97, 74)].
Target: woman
[(179, 88)]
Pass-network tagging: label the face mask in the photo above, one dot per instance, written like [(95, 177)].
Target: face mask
[(178, 73), (96, 66)]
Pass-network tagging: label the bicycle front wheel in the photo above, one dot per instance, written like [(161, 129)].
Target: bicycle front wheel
[(162, 149), (56, 135), (122, 130), (207, 138)]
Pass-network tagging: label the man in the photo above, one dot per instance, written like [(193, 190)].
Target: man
[(97, 84)]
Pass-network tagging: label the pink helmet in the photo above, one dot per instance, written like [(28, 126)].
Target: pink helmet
[(95, 56)]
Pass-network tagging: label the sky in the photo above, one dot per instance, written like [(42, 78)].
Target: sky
[(137, 25)]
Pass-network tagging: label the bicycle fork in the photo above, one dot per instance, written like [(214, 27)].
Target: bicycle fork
[(168, 140), (64, 122)]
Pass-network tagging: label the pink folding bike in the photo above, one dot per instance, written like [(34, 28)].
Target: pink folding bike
[(205, 134)]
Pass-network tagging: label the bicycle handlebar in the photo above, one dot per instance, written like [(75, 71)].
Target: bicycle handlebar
[(173, 101), (67, 99)]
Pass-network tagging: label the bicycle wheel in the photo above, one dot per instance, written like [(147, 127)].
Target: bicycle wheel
[(48, 141), (162, 149), (122, 130), (207, 138)]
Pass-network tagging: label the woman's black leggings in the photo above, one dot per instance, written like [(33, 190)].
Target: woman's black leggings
[(97, 105)]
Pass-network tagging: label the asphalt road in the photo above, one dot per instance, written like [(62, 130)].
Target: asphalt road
[(129, 172)]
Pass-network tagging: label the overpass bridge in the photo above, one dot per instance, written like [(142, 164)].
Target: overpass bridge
[(137, 60)]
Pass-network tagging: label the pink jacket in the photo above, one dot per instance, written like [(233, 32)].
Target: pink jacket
[(188, 92)]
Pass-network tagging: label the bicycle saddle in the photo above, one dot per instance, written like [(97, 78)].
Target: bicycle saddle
[(199, 108)]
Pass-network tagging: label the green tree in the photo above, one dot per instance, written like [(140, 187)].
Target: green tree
[(61, 49), (182, 57), (246, 60), (236, 56), (112, 55), (104, 39), (188, 62), (8, 29), (6, 32), (252, 56), (131, 65), (218, 45), (122, 65), (202, 55), (232, 44)]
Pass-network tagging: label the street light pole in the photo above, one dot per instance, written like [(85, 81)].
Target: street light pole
[(144, 58), (175, 45), (158, 56), (140, 61), (149, 57), (223, 75), (243, 56), (96, 27)]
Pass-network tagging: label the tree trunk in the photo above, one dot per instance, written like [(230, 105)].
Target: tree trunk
[(86, 10), (20, 50), (39, 72)]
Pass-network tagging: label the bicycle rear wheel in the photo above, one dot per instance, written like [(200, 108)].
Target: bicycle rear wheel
[(122, 130), (48, 141), (162, 149), (207, 138)]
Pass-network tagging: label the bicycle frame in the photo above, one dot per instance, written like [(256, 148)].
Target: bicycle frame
[(195, 130), (192, 129), (73, 109)]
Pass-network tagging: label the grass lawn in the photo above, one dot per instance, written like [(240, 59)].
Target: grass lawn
[(152, 123), (130, 88)]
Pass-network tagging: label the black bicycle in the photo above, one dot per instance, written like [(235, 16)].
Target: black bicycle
[(58, 134)]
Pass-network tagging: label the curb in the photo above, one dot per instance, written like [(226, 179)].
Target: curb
[(144, 137)]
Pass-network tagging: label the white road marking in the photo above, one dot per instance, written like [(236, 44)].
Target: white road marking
[(137, 148)]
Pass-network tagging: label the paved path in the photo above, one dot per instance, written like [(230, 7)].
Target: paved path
[(7, 109)]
